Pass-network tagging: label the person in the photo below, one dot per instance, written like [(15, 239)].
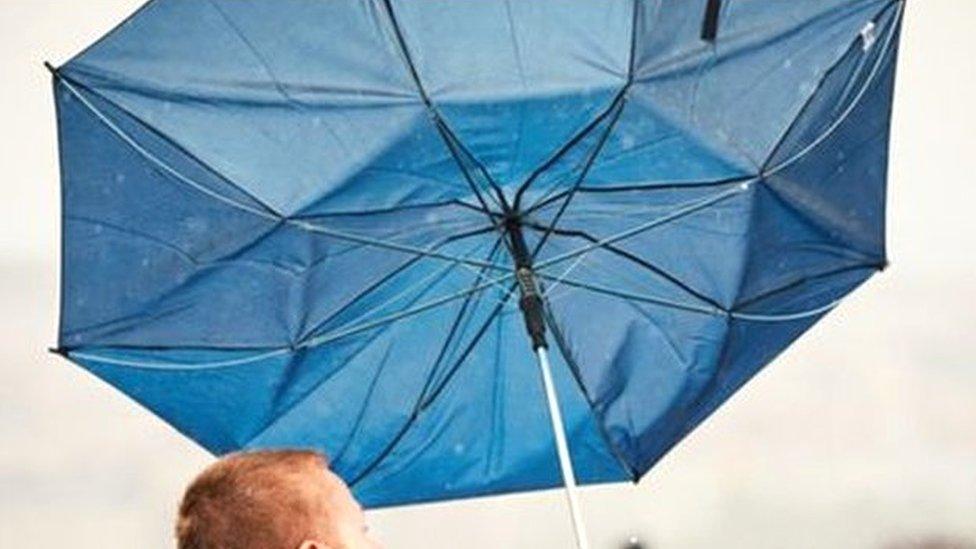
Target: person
[(271, 500)]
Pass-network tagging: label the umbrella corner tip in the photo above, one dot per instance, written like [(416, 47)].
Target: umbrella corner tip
[(50, 67)]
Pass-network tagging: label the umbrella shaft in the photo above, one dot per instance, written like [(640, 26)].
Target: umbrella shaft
[(562, 448)]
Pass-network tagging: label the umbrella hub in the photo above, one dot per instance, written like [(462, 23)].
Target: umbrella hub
[(530, 300)]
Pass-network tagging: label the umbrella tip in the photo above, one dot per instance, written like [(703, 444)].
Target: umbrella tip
[(57, 351), (50, 67)]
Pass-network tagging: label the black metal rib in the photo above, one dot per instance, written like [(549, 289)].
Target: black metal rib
[(618, 105), (355, 353), (738, 307), (640, 188), (386, 278), (639, 261), (582, 134), (444, 346), (443, 129), (710, 22), (391, 209), (423, 399), (467, 351), (594, 123), (630, 296), (574, 369)]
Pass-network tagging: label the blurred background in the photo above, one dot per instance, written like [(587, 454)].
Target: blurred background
[(863, 434)]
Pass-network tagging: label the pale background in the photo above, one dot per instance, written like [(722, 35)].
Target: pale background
[(862, 435)]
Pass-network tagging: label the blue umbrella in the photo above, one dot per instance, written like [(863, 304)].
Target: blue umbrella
[(334, 224)]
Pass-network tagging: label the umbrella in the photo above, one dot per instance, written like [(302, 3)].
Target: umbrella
[(344, 225)]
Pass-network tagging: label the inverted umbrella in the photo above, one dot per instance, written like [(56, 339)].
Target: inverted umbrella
[(331, 224)]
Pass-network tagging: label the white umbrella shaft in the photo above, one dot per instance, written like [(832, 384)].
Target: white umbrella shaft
[(565, 462)]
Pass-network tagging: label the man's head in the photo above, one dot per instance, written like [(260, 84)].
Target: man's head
[(270, 500)]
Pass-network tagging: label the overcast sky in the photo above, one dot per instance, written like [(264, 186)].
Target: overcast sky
[(861, 435)]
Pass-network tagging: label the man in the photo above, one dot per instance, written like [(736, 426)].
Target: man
[(271, 500)]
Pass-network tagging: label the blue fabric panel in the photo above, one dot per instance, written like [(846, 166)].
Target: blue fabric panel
[(294, 122), (822, 208), (740, 93), (638, 362), (533, 73), (748, 346), (703, 250), (220, 406), (488, 431)]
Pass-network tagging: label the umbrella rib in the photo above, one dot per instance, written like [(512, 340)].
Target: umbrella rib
[(156, 365), (345, 332), (619, 103), (687, 209), (69, 82), (424, 282), (650, 187), (593, 123), (442, 128), (386, 278), (182, 149), (312, 343), (634, 296), (439, 388), (430, 377), (803, 280), (618, 106), (451, 333), (336, 457), (319, 383), (272, 216), (519, 195), (424, 403), (633, 258), (563, 347), (392, 209), (787, 317)]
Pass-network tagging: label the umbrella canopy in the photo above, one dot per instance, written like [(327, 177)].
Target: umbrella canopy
[(297, 223)]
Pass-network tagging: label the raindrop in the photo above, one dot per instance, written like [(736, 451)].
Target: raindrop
[(627, 141)]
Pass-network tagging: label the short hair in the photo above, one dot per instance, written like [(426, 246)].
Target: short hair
[(248, 500)]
